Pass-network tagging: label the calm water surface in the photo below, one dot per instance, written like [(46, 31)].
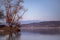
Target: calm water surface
[(29, 36)]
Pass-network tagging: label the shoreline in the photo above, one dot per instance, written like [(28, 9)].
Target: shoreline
[(42, 30)]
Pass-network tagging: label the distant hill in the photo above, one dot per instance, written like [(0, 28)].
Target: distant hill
[(44, 24), (30, 21), (44, 27)]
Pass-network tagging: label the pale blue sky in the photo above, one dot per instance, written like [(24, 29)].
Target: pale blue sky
[(42, 10)]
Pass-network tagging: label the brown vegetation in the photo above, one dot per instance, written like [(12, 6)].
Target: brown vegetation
[(12, 16)]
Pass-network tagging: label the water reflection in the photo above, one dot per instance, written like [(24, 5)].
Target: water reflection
[(29, 36), (11, 36), (14, 36)]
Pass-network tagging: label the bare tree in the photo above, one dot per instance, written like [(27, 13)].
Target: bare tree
[(12, 7)]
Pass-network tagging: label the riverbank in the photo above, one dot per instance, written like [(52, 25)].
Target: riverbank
[(42, 30)]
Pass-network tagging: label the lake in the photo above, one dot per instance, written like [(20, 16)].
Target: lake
[(30, 36)]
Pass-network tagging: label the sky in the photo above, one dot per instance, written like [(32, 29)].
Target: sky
[(44, 10)]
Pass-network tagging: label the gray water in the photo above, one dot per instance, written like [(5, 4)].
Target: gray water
[(30, 36)]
